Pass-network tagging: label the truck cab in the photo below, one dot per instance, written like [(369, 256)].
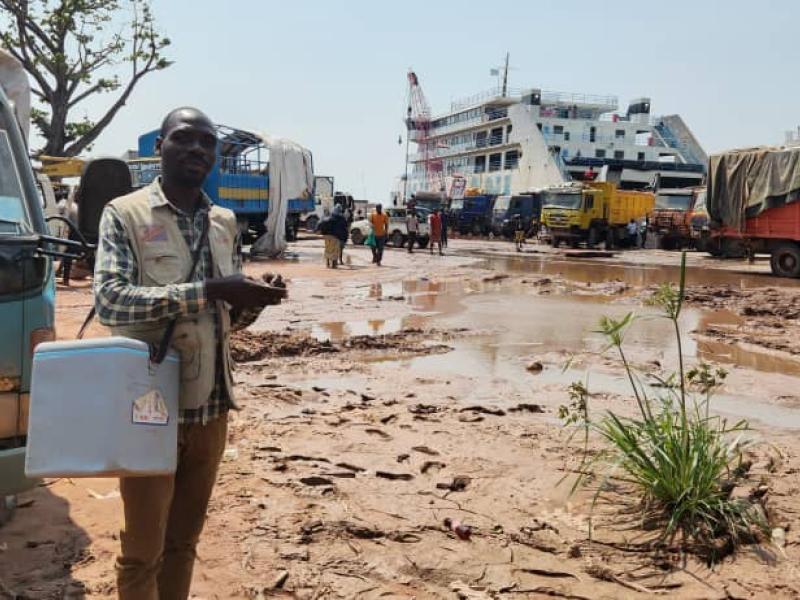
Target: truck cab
[(527, 206), (476, 215), (27, 295), (672, 216)]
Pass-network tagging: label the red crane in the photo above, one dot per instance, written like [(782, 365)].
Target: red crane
[(418, 124)]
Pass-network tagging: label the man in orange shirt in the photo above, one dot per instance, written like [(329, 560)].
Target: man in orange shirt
[(380, 228)]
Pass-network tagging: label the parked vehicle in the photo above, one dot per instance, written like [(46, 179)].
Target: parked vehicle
[(476, 215), (454, 212), (239, 179), (323, 200), (699, 222), (27, 290), (592, 212), (527, 206), (671, 220), (753, 204), (398, 232), (429, 201)]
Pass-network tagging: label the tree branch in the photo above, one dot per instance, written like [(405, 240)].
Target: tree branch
[(95, 131)]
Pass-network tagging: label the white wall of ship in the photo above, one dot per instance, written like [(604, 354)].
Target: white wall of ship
[(629, 140)]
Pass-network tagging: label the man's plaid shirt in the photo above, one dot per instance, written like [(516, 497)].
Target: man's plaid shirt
[(121, 301)]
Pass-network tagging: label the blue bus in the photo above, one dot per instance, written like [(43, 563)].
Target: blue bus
[(239, 179)]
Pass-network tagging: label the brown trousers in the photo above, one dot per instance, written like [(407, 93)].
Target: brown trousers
[(164, 516)]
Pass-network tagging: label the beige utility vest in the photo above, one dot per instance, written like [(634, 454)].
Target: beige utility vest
[(164, 258)]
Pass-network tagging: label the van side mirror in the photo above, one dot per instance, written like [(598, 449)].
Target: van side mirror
[(80, 247)]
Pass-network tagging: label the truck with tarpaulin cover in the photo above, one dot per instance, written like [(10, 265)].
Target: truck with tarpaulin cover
[(592, 212), (752, 205), (239, 179)]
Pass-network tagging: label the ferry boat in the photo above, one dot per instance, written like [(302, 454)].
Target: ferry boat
[(514, 141)]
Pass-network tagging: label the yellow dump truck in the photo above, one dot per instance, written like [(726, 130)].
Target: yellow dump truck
[(592, 213)]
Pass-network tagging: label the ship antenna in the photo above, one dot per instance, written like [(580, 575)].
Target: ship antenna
[(505, 77)]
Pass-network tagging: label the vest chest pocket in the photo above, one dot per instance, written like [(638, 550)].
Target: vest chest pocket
[(222, 250), (163, 268)]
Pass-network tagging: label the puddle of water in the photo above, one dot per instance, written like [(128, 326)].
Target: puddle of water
[(523, 324), (489, 364), (639, 275), (337, 331), (558, 322)]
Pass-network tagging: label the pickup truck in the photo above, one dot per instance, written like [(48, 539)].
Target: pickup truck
[(398, 233)]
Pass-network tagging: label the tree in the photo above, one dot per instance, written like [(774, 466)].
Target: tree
[(72, 50)]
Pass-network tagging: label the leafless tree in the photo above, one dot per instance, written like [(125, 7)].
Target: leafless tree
[(73, 50)]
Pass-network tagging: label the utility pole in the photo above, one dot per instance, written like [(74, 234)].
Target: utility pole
[(505, 76)]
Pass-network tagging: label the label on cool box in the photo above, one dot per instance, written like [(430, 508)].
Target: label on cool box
[(150, 409)]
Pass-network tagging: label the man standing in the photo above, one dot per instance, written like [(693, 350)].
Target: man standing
[(412, 226), (339, 228), (145, 254), (518, 231), (443, 218), (633, 233), (380, 228), (435, 224)]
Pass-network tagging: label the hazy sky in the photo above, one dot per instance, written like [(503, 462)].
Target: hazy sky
[(332, 75)]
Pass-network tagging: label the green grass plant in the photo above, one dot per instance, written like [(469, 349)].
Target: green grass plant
[(682, 461)]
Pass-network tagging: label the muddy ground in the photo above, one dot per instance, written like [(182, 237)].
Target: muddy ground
[(378, 402)]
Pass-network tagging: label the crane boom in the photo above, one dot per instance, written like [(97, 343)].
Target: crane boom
[(418, 123)]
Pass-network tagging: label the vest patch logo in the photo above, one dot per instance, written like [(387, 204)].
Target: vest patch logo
[(153, 233)]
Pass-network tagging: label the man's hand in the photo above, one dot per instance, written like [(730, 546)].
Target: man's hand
[(243, 292)]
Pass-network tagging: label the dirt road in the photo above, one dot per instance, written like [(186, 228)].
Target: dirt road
[(378, 402)]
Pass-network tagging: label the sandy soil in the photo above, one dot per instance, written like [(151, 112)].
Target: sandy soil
[(358, 436)]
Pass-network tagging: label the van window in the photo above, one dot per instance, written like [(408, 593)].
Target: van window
[(14, 216)]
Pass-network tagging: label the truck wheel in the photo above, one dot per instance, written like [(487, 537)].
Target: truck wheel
[(610, 239), (357, 237), (554, 242), (591, 242), (785, 260), (312, 223), (397, 239), (476, 228), (423, 242)]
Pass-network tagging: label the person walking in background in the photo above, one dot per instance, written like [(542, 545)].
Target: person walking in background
[(518, 230), (348, 215), (380, 227), (643, 225), (412, 227), (443, 218), (633, 233), (339, 229), (435, 224), (331, 251)]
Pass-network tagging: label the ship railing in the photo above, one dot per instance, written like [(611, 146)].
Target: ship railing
[(488, 94), (580, 99)]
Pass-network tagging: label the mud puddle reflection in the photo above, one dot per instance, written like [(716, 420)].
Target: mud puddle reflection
[(594, 271)]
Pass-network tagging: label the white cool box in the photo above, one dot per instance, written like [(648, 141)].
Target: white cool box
[(100, 408)]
